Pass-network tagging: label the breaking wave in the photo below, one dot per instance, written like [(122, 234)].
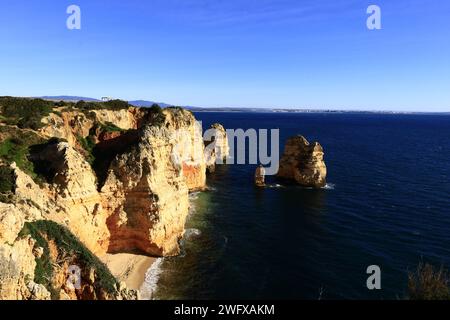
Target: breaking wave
[(329, 186), (149, 286)]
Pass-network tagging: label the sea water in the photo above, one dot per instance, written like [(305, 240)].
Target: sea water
[(386, 203)]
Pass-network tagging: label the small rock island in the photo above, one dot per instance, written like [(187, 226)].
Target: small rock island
[(303, 163), (260, 176)]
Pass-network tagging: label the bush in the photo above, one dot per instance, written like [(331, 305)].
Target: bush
[(25, 112), (18, 147), (156, 115), (428, 283), (16, 150), (7, 180), (88, 145), (68, 245), (116, 104), (110, 127)]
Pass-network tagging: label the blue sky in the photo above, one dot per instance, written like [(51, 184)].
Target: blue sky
[(233, 53)]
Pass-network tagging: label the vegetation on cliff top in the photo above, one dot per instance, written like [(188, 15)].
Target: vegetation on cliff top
[(7, 184), (70, 249), (15, 146), (429, 283), (24, 112), (28, 112)]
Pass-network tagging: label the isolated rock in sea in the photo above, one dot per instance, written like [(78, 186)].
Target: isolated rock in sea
[(260, 177), (303, 162), (217, 148)]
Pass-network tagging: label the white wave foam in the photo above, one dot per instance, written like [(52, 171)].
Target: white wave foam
[(276, 185), (329, 186), (192, 232), (193, 195), (148, 288)]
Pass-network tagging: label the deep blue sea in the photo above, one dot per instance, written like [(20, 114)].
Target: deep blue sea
[(388, 205)]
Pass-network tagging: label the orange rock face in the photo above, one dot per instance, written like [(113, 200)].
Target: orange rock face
[(303, 162), (134, 195)]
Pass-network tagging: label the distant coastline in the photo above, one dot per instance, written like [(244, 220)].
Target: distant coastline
[(148, 103)]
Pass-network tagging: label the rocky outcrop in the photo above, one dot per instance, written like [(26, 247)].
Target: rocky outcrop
[(303, 163), (216, 146), (137, 199), (260, 177), (73, 189), (147, 195), (188, 148), (147, 188), (17, 265), (70, 125)]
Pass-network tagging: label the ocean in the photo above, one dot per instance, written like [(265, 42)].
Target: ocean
[(386, 203)]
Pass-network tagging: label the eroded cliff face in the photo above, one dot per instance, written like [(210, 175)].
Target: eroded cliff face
[(73, 190), (303, 162), (147, 196), (73, 124), (146, 190), (127, 193), (216, 146), (188, 148)]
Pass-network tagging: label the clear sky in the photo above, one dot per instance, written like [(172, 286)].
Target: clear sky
[(231, 53)]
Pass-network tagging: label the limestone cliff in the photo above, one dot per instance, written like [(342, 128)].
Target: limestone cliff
[(216, 146), (147, 196), (117, 180), (72, 124), (303, 162)]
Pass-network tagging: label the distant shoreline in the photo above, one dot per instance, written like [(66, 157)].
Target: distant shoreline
[(146, 103)]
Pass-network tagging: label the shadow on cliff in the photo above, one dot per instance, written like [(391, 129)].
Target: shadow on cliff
[(105, 151)]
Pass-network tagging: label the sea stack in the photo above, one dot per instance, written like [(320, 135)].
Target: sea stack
[(303, 162), (260, 176), (216, 149)]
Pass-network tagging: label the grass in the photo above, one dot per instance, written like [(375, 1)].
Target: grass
[(15, 150), (68, 244), (19, 145), (88, 145), (110, 127), (429, 283)]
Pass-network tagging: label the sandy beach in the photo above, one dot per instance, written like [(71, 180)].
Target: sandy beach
[(129, 268)]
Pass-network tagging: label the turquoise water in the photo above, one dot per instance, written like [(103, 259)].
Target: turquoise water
[(387, 203)]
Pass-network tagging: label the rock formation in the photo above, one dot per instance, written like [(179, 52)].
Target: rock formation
[(260, 177), (217, 148), (303, 162), (147, 195), (118, 181)]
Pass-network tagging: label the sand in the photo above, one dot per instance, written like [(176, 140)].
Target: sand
[(129, 268)]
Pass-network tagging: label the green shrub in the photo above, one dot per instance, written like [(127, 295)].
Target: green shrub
[(117, 104), (88, 144), (428, 283), (110, 127), (7, 180), (18, 147), (24, 112), (97, 105), (16, 150), (156, 115), (68, 245)]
